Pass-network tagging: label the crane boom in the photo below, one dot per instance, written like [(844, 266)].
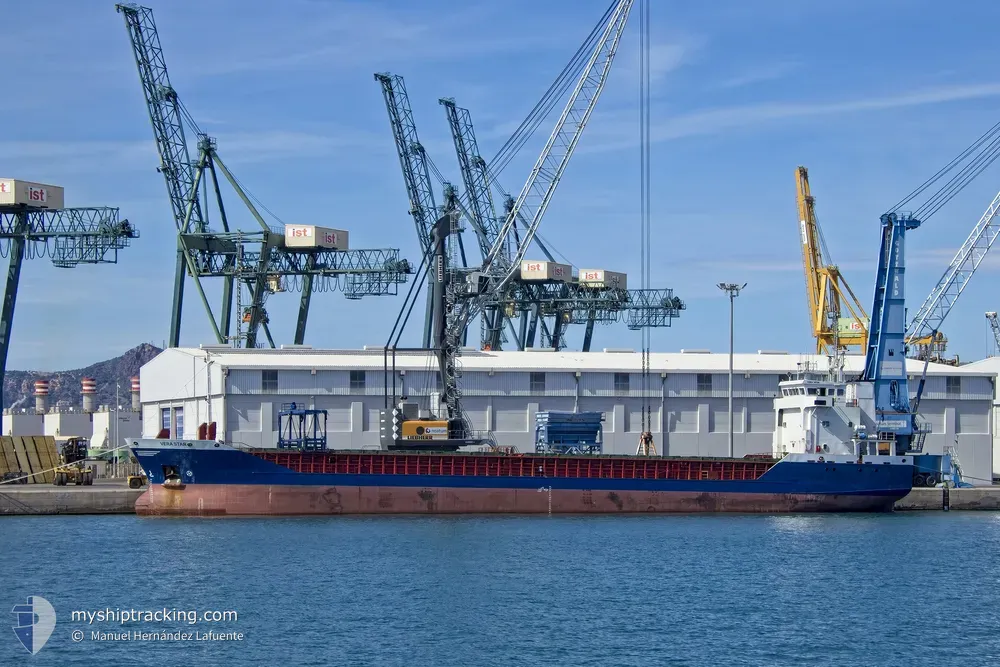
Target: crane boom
[(165, 115), (475, 178), (412, 157), (991, 317), (537, 192), (826, 290), (939, 302)]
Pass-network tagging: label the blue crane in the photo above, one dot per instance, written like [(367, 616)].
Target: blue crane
[(69, 236), (889, 335), (885, 355), (252, 260)]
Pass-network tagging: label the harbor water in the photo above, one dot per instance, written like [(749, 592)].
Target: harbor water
[(898, 589)]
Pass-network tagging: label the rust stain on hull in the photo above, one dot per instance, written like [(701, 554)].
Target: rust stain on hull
[(263, 500)]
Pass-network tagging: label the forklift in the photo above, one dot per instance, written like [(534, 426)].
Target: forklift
[(72, 454)]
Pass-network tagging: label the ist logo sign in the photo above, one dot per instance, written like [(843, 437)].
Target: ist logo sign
[(39, 195), (300, 232)]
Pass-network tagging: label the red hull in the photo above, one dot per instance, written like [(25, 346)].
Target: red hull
[(262, 500)]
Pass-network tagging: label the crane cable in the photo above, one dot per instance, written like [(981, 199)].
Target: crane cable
[(976, 158), (547, 103), (644, 180)]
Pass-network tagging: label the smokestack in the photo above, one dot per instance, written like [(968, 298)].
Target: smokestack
[(41, 396), (88, 387), (136, 404)]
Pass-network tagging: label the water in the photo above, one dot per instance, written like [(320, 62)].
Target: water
[(902, 589)]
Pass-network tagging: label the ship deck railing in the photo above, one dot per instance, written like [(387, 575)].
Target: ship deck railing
[(501, 465)]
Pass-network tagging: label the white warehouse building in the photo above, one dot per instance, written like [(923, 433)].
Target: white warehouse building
[(244, 390)]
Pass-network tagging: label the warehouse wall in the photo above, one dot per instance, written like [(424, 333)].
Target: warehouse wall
[(688, 411)]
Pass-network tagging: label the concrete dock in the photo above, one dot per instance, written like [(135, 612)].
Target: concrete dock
[(104, 497), (975, 498)]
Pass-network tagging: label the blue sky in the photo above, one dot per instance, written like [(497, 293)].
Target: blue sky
[(872, 97)]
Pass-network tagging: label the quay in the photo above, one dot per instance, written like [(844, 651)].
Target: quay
[(104, 497)]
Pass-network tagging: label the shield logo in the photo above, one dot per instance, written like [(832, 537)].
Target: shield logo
[(36, 619)]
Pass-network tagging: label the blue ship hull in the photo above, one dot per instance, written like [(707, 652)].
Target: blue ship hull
[(211, 479)]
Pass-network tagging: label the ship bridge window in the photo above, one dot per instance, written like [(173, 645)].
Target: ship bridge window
[(812, 391), (840, 392), (822, 391)]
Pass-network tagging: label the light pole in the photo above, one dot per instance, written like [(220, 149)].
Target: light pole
[(734, 291)]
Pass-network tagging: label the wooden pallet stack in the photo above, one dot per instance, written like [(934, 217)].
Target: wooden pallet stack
[(29, 454)]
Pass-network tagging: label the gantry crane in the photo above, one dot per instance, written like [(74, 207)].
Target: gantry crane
[(461, 294), (531, 302), (256, 261), (35, 224), (565, 302)]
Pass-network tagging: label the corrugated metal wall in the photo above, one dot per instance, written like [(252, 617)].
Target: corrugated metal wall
[(682, 415), (510, 415), (969, 387), (761, 416), (758, 385), (604, 384), (972, 418), (933, 413)]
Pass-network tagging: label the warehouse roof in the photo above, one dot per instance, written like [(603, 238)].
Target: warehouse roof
[(608, 360)]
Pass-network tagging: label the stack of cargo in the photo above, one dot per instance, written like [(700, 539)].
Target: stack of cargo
[(23, 455), (568, 432)]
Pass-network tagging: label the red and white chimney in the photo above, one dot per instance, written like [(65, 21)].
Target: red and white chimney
[(88, 388), (41, 396), (136, 403)]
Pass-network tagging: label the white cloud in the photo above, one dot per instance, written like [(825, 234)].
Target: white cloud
[(615, 130), (664, 58), (347, 35), (244, 146), (757, 74)]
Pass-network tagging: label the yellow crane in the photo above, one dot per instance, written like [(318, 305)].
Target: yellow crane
[(827, 291)]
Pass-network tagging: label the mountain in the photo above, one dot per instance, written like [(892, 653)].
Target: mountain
[(19, 386)]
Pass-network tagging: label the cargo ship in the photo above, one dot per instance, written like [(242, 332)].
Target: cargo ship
[(811, 468)]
